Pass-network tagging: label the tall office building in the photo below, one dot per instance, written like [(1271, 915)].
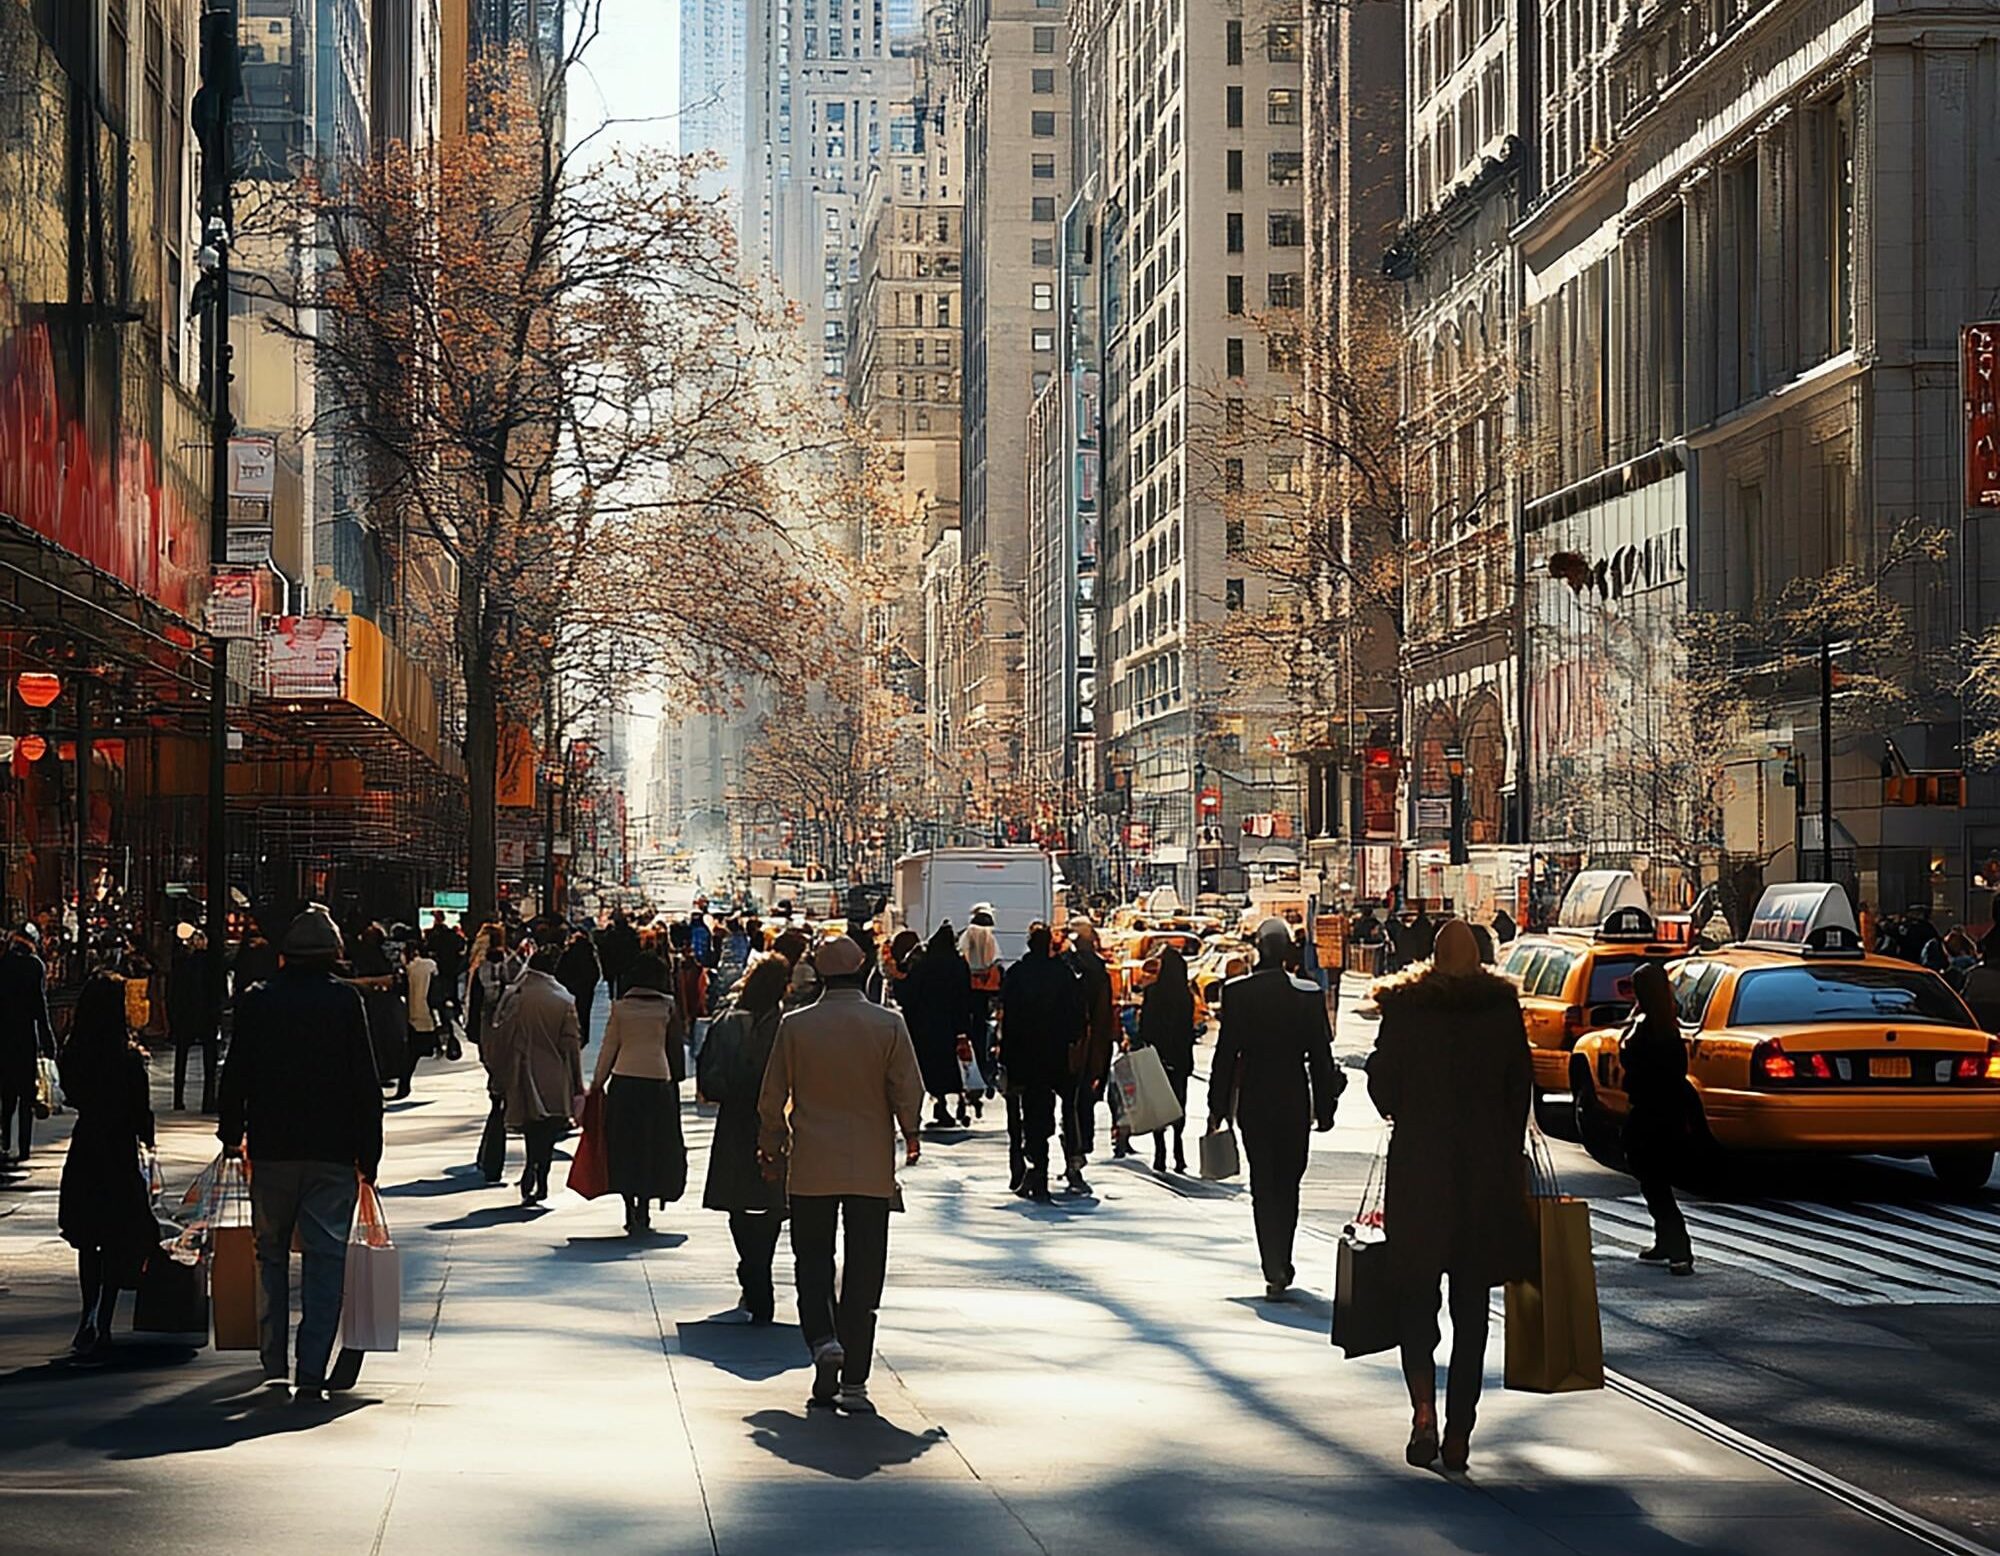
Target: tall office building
[(1195, 148), (1017, 181), (712, 89), (821, 83)]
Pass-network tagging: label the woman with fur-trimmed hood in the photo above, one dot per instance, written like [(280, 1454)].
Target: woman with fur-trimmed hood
[(1452, 1073)]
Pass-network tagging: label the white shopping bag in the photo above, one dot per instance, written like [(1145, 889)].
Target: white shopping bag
[(970, 1078), (1146, 1098), (372, 1295)]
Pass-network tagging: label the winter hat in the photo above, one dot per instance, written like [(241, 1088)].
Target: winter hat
[(1456, 949), (1274, 937), (312, 933), (839, 956)]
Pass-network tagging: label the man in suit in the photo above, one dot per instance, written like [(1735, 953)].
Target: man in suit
[(841, 1082), (1274, 1072)]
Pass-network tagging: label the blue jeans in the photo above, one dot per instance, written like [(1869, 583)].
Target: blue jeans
[(316, 1198)]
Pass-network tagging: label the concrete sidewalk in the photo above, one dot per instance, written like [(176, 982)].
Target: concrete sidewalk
[(1096, 1373)]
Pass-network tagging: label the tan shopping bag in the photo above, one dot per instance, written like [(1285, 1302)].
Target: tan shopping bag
[(232, 1288), (1554, 1344)]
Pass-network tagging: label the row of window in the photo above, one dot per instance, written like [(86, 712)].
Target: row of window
[(1283, 230), (1282, 105), (1282, 289), (1281, 43), (1280, 167), (1449, 38)]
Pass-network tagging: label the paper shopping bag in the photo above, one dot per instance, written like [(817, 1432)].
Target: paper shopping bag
[(1365, 1316), (1146, 1098), (590, 1166), (232, 1287), (371, 1296), (1219, 1156), (1554, 1344), (173, 1296)]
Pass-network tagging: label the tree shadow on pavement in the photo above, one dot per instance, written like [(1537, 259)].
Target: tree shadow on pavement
[(753, 1352), (831, 1444), (608, 1250), (219, 1413)]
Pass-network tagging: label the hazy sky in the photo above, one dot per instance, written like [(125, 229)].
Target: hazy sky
[(632, 73)]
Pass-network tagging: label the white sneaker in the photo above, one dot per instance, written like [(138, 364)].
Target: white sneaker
[(828, 1359), (854, 1400)]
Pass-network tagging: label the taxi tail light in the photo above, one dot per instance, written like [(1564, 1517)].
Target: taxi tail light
[(1974, 1067), (1770, 1062), (1819, 1067)]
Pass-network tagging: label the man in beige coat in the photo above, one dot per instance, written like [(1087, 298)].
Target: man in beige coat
[(534, 1064), (842, 1080)]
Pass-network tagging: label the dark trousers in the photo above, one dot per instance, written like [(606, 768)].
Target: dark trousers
[(1670, 1228), (1277, 1159), (493, 1142), (1037, 1105), (1471, 1313), (755, 1234), (1017, 1155), (1079, 1119), (317, 1200), (210, 1044), (849, 1317), (541, 1137), (17, 1111), (1180, 1085), (982, 1034), (99, 1287)]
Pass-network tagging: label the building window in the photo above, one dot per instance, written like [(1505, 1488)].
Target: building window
[(1232, 475), (1288, 230), (1285, 167), (1233, 290), (1044, 82), (1233, 356), (1044, 340), (1044, 164), (1281, 105), (1285, 289), (1045, 40), (1044, 124), (1232, 230), (1232, 417), (1234, 163), (1281, 42), (1232, 531), (1232, 43), (1232, 594), (1043, 209), (1042, 251), (1283, 470), (1232, 107), (1045, 297)]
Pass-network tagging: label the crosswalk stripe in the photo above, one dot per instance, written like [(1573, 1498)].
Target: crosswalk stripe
[(1982, 1228), (1821, 1249), (1956, 1251)]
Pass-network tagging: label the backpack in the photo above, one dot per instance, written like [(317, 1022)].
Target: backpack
[(721, 1055)]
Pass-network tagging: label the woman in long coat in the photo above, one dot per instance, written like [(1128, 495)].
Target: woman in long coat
[(105, 1211), (1451, 1072), (533, 1053), (644, 1061), (1166, 1025), (1665, 1113), (732, 1063), (937, 1002)]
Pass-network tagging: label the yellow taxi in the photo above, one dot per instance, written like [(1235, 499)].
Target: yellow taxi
[(1799, 1040), (1222, 957), (1578, 975), (1137, 962)]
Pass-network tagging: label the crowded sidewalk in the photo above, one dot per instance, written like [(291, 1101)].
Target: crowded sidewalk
[(1049, 1379)]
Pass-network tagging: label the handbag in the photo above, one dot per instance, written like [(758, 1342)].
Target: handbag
[(1219, 1156), (232, 1258), (172, 1296), (1145, 1097), (1554, 1343), (48, 1100), (371, 1293), (590, 1166), (1366, 1310)]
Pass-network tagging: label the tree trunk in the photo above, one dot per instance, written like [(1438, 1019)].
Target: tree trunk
[(482, 754)]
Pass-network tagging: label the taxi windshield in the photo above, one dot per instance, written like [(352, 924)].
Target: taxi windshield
[(1778, 996)]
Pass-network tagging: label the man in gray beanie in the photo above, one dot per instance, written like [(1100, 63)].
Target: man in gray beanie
[(1274, 1073), (300, 1089)]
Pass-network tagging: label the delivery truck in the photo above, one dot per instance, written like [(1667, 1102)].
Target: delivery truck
[(944, 885)]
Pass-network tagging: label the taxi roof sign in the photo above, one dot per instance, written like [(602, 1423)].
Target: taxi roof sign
[(1595, 896), (1800, 915)]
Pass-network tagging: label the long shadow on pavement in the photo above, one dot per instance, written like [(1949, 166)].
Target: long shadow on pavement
[(216, 1414), (608, 1250), (830, 1444), (1302, 1310), (755, 1353)]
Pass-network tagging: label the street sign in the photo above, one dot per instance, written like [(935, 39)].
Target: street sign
[(253, 467), (232, 603)]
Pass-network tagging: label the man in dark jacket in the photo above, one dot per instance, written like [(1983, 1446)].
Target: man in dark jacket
[(617, 949), (578, 972), (300, 1090), (1090, 1063), (193, 1021), (445, 945), (1274, 1073), (1041, 1020), (26, 1034)]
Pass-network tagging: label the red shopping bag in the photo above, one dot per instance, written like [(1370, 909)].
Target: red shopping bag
[(590, 1167)]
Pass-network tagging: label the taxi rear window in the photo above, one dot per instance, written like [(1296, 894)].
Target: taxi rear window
[(1778, 996), (1611, 980)]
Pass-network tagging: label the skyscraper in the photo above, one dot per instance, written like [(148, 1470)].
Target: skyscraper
[(713, 87)]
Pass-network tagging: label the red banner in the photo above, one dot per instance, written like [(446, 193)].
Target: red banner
[(114, 513), (1979, 383)]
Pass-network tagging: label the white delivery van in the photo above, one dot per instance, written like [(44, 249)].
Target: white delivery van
[(945, 883)]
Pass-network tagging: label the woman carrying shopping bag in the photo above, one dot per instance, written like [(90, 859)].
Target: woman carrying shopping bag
[(732, 1064), (1166, 1025), (639, 1070), (1451, 1072), (105, 1210)]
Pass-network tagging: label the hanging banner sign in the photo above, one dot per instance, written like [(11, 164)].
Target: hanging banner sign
[(305, 658), (1979, 384), (232, 603), (253, 467)]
